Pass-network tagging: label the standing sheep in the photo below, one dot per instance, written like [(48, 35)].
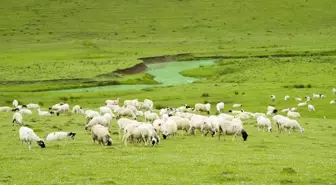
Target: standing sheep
[(112, 102), (286, 98), (77, 109), (101, 134), (27, 135), (331, 102), (17, 118), (311, 108), (263, 123), (333, 91), (169, 128), (231, 128), (200, 107), (273, 97), (220, 107), (15, 103), (33, 106), (291, 125)]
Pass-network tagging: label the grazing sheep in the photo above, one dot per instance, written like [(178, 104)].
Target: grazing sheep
[(286, 98), (103, 110), (145, 132), (169, 128), (278, 120), (89, 114), (226, 116), (17, 118), (63, 109), (33, 106), (316, 95), (58, 136), (15, 103), (144, 107), (273, 97), (104, 120), (149, 103), (302, 104), (293, 109), (26, 111), (112, 102), (77, 109), (333, 91), (231, 128), (207, 127), (134, 102), (44, 113), (28, 136), (220, 107), (331, 102), (123, 122), (291, 124), (200, 107), (293, 114), (263, 123), (157, 125), (243, 116), (181, 123), (5, 109), (196, 123), (307, 98), (126, 112), (151, 116), (235, 111), (236, 105), (101, 134), (298, 99), (56, 106), (311, 108), (285, 110)]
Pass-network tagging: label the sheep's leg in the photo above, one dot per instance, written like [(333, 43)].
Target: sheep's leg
[(120, 133), (144, 140), (125, 140), (258, 128)]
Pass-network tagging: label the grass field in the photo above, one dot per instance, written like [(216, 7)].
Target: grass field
[(55, 45)]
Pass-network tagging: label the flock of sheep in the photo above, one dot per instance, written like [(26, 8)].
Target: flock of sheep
[(166, 121)]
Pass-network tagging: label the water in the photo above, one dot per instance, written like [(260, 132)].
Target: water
[(165, 73)]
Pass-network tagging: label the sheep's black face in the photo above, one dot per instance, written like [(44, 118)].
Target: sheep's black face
[(80, 107), (41, 144), (57, 113), (25, 106), (72, 135), (275, 111), (244, 135), (230, 110), (164, 136), (51, 112), (187, 106), (49, 108), (169, 115), (208, 112), (212, 133)]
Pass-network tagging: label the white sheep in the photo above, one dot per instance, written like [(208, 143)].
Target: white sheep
[(144, 107), (157, 124), (123, 122), (63, 109), (286, 98), (151, 116), (89, 114), (316, 95), (103, 110), (33, 106), (145, 132), (28, 136), (15, 103), (235, 111), (293, 109), (333, 91), (26, 111), (5, 109), (311, 108), (243, 116), (101, 134), (220, 107), (139, 113), (17, 118), (200, 107), (307, 98), (302, 104), (56, 106), (291, 124), (44, 113), (226, 116), (257, 114), (77, 109), (125, 112), (196, 123), (293, 114), (236, 105), (134, 102), (169, 128), (112, 102), (231, 128), (273, 97), (298, 99), (331, 102), (285, 110), (278, 120), (263, 123), (58, 136), (149, 103), (104, 120)]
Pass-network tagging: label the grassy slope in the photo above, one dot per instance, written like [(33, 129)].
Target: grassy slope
[(82, 39)]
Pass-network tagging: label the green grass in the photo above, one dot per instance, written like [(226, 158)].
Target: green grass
[(270, 47)]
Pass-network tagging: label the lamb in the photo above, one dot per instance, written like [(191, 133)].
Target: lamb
[(123, 122), (58, 136), (33, 106), (291, 124), (203, 107), (151, 116), (302, 104), (15, 103), (17, 118), (273, 97), (263, 123), (236, 105), (220, 107), (77, 109), (293, 114), (286, 98), (169, 128), (331, 102), (28, 136), (311, 108), (142, 131), (126, 112), (231, 128), (44, 113), (101, 134), (112, 102), (5, 109)]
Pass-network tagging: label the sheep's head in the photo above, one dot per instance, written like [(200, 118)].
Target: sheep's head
[(244, 134), (72, 135), (208, 112), (269, 129), (154, 141), (41, 143), (57, 113), (24, 106), (230, 110)]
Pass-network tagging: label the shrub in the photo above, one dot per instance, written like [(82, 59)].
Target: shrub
[(159, 106), (206, 101), (236, 92), (205, 95), (309, 86), (299, 86), (40, 103)]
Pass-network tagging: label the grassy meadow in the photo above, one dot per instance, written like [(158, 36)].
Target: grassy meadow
[(61, 44)]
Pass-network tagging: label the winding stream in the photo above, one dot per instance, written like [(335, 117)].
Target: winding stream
[(166, 74)]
